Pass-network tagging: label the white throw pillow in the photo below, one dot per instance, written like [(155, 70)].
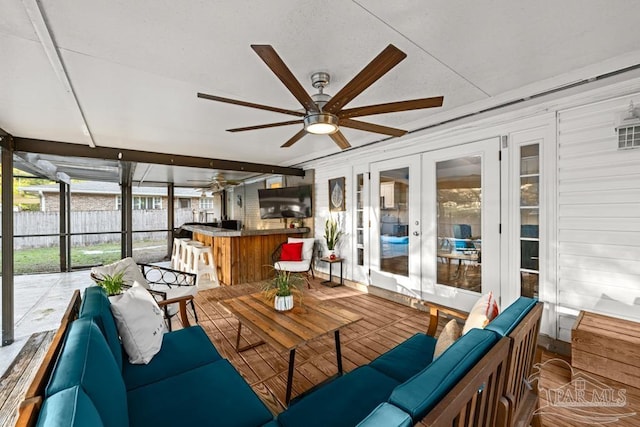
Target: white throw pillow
[(482, 312), (307, 246), (131, 270), (450, 333), (140, 323)]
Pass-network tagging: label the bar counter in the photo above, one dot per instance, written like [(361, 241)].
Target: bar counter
[(243, 256)]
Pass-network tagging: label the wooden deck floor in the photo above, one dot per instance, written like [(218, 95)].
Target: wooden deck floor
[(384, 325)]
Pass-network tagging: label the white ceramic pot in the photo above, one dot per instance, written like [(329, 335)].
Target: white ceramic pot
[(283, 303), (331, 254)]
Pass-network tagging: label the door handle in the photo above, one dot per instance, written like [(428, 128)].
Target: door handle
[(415, 233)]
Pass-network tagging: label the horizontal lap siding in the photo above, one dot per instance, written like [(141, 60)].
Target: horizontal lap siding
[(598, 214)]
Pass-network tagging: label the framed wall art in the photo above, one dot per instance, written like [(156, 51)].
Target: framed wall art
[(336, 195)]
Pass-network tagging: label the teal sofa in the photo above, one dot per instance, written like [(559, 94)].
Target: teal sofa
[(401, 386), (186, 383)]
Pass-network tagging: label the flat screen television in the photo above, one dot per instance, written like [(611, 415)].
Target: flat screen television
[(286, 202)]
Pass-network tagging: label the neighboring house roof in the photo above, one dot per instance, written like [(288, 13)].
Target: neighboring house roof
[(109, 188)]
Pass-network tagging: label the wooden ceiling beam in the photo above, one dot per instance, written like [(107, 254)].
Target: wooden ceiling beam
[(41, 146)]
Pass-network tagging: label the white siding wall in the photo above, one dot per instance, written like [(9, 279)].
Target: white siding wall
[(321, 208), (598, 215)]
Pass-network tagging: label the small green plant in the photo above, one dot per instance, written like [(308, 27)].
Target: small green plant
[(113, 283), (283, 284), (332, 233)]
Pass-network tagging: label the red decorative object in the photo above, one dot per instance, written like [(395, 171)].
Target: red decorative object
[(291, 252), (332, 257)]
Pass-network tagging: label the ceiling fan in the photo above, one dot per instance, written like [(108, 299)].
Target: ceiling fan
[(216, 184), (324, 114)]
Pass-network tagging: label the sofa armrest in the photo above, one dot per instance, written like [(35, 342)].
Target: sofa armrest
[(435, 310), (182, 304), (386, 415)]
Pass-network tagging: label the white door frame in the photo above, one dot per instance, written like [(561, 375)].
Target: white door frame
[(489, 150)]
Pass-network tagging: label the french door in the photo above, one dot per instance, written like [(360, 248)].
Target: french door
[(395, 225), (460, 245)]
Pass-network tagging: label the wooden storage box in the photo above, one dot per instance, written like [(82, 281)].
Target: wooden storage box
[(607, 346)]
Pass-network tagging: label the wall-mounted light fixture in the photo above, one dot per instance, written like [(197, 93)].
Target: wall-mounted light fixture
[(628, 128)]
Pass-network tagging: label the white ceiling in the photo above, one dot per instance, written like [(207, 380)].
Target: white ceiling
[(136, 66)]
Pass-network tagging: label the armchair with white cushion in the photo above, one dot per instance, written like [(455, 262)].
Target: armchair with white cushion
[(175, 288), (303, 264)]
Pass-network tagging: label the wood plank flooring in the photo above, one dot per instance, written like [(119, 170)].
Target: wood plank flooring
[(384, 325)]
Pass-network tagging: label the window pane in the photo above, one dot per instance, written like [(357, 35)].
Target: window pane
[(459, 203), (529, 159), (394, 215), (529, 191)]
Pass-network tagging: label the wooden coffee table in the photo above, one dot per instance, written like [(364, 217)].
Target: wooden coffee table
[(285, 331)]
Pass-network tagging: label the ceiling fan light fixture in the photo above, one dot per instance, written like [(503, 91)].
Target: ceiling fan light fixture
[(321, 123)]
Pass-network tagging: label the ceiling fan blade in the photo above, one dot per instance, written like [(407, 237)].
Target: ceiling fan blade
[(268, 54), (378, 67), (295, 138), (392, 107), (371, 127), (340, 140), (249, 104), (268, 125)]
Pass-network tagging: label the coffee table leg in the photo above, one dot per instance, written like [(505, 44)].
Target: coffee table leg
[(338, 352), (292, 358), (248, 346)]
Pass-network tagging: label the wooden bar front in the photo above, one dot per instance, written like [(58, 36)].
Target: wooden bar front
[(244, 259)]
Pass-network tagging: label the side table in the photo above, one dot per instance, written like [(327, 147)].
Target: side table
[(330, 283)]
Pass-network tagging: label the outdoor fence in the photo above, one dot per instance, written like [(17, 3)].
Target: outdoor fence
[(102, 222)]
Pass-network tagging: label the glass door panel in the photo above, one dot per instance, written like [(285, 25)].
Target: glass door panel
[(459, 220), (395, 251), (461, 213)]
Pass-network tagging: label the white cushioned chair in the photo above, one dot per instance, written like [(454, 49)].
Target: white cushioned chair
[(308, 254), (163, 283)]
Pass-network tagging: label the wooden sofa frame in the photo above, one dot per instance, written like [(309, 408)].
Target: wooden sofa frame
[(30, 406), (517, 400)]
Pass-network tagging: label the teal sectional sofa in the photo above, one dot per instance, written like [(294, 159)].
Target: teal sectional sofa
[(186, 383), (189, 383), (405, 384)]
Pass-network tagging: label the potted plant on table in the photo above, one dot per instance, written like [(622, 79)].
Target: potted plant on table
[(332, 234), (282, 288)]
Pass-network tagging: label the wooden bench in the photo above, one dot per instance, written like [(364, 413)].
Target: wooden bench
[(30, 406), (607, 346)]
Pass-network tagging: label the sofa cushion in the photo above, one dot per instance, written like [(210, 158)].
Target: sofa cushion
[(343, 402), (387, 415), (422, 392), (86, 360), (511, 316), (407, 358), (140, 323), (128, 266), (181, 351), (213, 394), (70, 407), (95, 305)]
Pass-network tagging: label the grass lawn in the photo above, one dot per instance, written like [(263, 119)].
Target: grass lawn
[(46, 260)]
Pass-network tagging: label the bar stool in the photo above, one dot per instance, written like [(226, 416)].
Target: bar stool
[(202, 264), (186, 254), (175, 252)]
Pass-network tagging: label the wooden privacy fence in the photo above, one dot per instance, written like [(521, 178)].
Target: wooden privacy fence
[(101, 222)]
